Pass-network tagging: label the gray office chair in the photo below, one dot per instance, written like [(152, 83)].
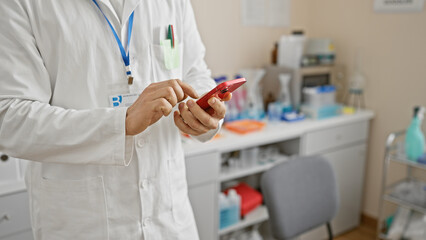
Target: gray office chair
[(300, 194)]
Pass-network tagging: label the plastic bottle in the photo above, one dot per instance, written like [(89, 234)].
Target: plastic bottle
[(414, 139), (284, 96), (253, 108), (224, 210), (235, 204)]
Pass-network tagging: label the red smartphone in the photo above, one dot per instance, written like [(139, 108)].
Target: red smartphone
[(219, 91)]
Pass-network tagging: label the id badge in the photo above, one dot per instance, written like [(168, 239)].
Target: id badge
[(123, 100)]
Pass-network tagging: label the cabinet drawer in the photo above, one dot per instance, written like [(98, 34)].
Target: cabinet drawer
[(202, 168), (27, 235), (330, 138), (14, 213)]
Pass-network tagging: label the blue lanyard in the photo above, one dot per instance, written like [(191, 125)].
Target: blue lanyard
[(125, 56)]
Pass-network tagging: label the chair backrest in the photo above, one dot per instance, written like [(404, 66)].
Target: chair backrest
[(300, 194)]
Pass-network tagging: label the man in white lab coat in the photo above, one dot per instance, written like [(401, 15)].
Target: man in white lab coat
[(99, 171)]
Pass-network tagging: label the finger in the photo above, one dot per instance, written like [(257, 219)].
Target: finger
[(167, 93), (201, 115), (180, 94), (218, 107), (188, 90), (191, 120), (175, 84), (183, 126), (227, 97), (162, 105)]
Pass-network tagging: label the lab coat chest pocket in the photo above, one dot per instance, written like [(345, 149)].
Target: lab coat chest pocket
[(166, 62), (73, 209), (179, 191)]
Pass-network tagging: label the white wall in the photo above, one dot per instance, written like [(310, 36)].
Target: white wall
[(231, 46), (393, 57), (392, 51)]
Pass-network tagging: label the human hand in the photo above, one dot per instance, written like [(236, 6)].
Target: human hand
[(192, 119), (156, 101)]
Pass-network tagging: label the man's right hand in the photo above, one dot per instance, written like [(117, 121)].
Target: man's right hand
[(156, 101)]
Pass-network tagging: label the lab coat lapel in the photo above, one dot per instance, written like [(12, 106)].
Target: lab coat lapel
[(108, 5), (129, 7)]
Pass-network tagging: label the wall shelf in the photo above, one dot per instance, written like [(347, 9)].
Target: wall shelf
[(229, 174)]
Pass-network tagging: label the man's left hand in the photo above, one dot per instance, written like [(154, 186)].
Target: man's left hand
[(192, 119)]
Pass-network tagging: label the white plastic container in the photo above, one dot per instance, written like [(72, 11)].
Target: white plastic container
[(290, 51), (224, 207), (319, 96), (235, 204), (249, 157), (229, 209), (322, 112)]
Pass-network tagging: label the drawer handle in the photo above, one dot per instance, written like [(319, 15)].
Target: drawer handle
[(4, 157), (5, 218)]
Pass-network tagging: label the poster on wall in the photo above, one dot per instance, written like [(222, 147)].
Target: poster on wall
[(265, 13), (396, 6)]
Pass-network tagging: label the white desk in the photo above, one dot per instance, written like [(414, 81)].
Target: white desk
[(342, 140)]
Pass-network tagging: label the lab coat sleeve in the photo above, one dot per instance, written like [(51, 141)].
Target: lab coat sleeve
[(31, 128), (195, 71)]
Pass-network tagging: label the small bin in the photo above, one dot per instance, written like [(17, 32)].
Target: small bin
[(319, 96), (322, 112)]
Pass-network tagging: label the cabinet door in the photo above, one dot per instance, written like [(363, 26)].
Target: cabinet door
[(8, 168), (202, 169), (203, 201), (14, 214), (348, 165)]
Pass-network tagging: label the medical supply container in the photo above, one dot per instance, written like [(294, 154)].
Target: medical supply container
[(235, 206), (249, 157), (250, 198), (229, 209), (414, 139), (322, 112), (320, 103), (319, 96)]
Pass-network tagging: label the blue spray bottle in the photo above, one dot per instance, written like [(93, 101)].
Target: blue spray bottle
[(414, 138)]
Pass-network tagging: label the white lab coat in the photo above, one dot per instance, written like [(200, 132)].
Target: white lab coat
[(59, 63)]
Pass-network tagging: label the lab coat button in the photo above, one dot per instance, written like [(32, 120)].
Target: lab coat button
[(144, 183), (146, 222), (141, 143)]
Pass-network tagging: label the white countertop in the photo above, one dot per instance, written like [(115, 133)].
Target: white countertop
[(272, 132)]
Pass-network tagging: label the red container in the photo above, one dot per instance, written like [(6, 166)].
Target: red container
[(250, 198)]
